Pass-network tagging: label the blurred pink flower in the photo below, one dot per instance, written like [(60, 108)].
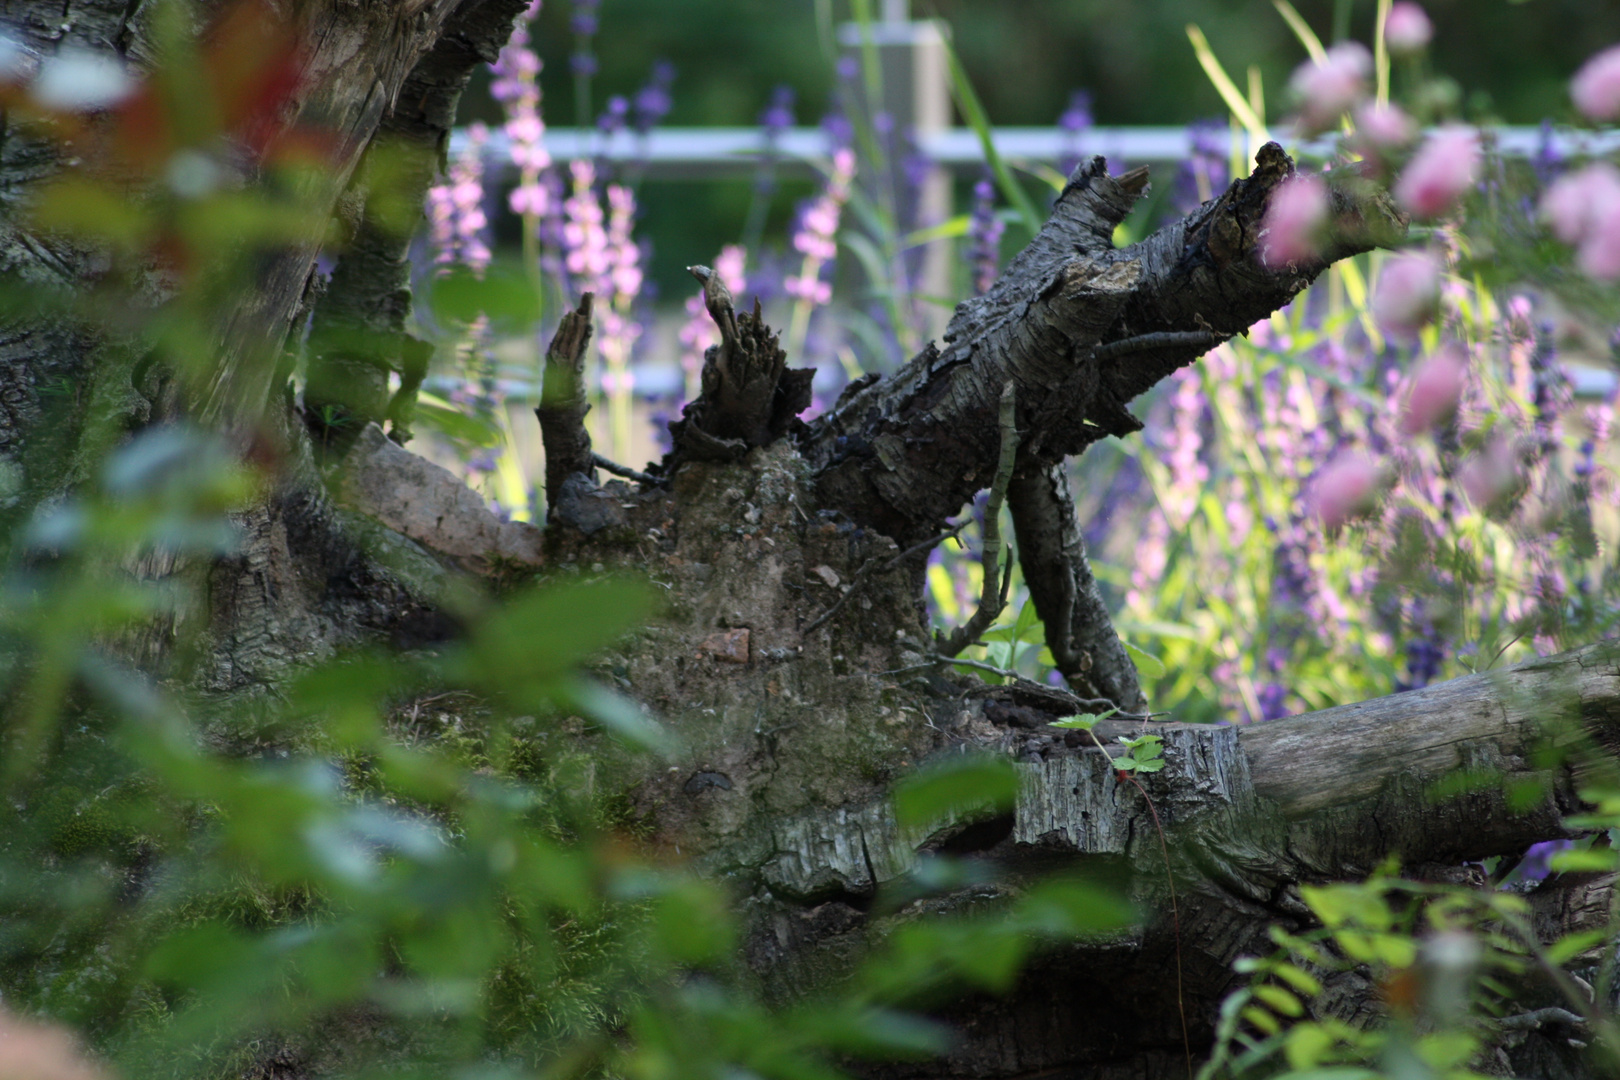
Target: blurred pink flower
[(1583, 208), (33, 1051), (1384, 127), (1444, 167), (1595, 89), (1599, 253), (1575, 201), (1436, 388), (1489, 474), (1407, 29), (1327, 89), (1346, 488), (1408, 291), (1294, 219)]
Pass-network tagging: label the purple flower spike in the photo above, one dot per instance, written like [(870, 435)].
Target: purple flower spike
[(653, 100), (613, 117), (778, 115), (984, 237)]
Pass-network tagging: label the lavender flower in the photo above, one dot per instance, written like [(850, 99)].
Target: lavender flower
[(620, 330), (516, 87), (613, 118), (653, 100), (777, 116), (456, 219), (816, 240), (984, 237), (1075, 121), (1204, 172), (583, 60)]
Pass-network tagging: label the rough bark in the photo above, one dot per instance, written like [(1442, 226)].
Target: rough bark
[(359, 333), (1079, 328)]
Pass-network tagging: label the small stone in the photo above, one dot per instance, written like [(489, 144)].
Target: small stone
[(728, 645), (827, 574)]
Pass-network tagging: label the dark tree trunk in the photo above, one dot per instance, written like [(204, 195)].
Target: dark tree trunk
[(793, 660)]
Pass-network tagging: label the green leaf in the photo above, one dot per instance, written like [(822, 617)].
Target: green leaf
[(956, 786), (1063, 908), (1591, 860), (524, 649), (622, 716), (462, 295), (1150, 666), (1280, 1000), (1083, 721), (1570, 946)]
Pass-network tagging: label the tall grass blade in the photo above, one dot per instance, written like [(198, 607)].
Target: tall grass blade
[(1307, 36), (1225, 86), (973, 111)]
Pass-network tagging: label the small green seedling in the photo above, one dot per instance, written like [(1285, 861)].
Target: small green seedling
[(1143, 754), (1083, 721)]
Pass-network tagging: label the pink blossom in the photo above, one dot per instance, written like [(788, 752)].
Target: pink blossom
[(1490, 474), (1576, 201), (1295, 216), (1436, 388), (1444, 167), (1330, 88), (1346, 488), (1384, 127), (456, 208), (817, 237), (1408, 291), (1599, 253), (1407, 29), (1583, 209), (1595, 89)]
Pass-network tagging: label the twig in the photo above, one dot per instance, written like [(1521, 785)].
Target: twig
[(937, 660), (991, 600), (1164, 339), (1535, 1019), (623, 470), (875, 565)]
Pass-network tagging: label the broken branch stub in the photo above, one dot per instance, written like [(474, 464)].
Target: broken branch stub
[(750, 397), (1080, 328), (563, 406)]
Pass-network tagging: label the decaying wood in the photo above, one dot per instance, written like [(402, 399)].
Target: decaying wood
[(562, 407), (1251, 814), (750, 397), (1079, 328)]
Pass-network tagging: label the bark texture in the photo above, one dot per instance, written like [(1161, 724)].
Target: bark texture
[(1079, 328)]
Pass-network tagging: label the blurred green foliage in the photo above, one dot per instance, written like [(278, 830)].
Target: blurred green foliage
[(1026, 57)]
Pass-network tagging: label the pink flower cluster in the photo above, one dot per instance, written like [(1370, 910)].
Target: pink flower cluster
[(1329, 88), (1583, 209), (517, 88), (1435, 390), (456, 208), (817, 237), (1443, 169), (1596, 87), (1408, 294), (1295, 219), (1407, 29), (584, 238), (1348, 487)]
